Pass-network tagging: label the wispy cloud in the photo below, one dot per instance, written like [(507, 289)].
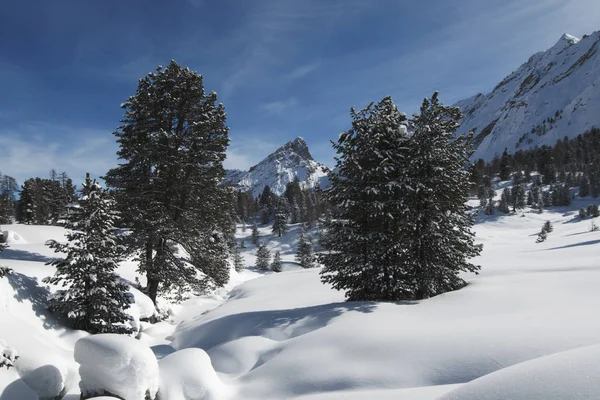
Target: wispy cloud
[(30, 151), (279, 106), (303, 70), (248, 149)]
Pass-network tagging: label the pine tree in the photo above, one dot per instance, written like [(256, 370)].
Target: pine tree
[(304, 255), (540, 204), (505, 169), (504, 201), (547, 227), (362, 254), (582, 213), (238, 260), (529, 198), (593, 211), (584, 187), (172, 147), (255, 235), (542, 236), (263, 257), (280, 224), (489, 208), (439, 238), (403, 230), (276, 264), (93, 298), (518, 195)]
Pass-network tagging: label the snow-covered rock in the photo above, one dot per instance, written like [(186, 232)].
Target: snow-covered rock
[(281, 167), (189, 375), (556, 93), (118, 365)]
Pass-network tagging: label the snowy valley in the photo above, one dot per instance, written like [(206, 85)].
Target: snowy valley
[(525, 328)]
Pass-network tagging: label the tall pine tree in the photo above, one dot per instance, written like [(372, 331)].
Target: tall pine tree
[(93, 298), (172, 146)]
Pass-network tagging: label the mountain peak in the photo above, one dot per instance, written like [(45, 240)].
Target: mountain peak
[(566, 40), (297, 146)]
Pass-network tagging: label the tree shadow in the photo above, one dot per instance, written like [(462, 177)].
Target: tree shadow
[(22, 255), (588, 243), (277, 325), (27, 289), (31, 384)]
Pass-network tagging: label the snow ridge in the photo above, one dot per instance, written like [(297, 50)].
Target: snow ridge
[(556, 93), (291, 160)]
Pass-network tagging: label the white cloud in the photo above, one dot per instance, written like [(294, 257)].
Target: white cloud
[(303, 70), (33, 150), (248, 149), (279, 106)]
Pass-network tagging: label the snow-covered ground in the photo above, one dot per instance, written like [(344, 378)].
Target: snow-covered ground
[(527, 327)]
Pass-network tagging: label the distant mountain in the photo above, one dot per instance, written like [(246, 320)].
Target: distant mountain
[(281, 167), (554, 94)]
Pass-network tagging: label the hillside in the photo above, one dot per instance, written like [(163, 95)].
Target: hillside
[(556, 93), (280, 168)]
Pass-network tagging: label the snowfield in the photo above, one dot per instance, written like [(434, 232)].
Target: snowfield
[(527, 327)]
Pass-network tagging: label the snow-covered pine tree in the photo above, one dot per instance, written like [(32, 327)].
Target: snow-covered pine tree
[(547, 227), (518, 194), (542, 236), (93, 298), (582, 213), (238, 259), (363, 247), (529, 201), (172, 147), (304, 255), (263, 257), (276, 263), (255, 235), (489, 208), (280, 224), (505, 168), (437, 237), (593, 211), (503, 205)]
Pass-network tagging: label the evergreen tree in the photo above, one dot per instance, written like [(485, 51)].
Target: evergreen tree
[(529, 201), (592, 210), (542, 236), (361, 241), (276, 264), (304, 255), (255, 235), (505, 169), (94, 298), (547, 227), (8, 188), (238, 260), (489, 208), (280, 224), (263, 257), (584, 187), (518, 195), (582, 213), (540, 204), (403, 230), (504, 201), (172, 147)]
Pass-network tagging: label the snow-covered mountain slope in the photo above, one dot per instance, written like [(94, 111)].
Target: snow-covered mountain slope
[(556, 93), (281, 167)]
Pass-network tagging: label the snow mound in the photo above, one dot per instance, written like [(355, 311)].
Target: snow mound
[(144, 304), (569, 375), (118, 365), (47, 381), (189, 375), (11, 237)]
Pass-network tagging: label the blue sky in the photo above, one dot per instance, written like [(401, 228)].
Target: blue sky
[(283, 68)]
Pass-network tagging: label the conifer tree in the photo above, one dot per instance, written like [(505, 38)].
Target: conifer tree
[(504, 201), (361, 241), (547, 227), (592, 210), (304, 255), (582, 213), (255, 235), (518, 194), (489, 208), (540, 204), (505, 169), (403, 230), (238, 259), (93, 298), (172, 147), (584, 187), (280, 224), (276, 264), (263, 257)]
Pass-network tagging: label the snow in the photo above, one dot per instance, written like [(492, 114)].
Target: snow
[(526, 327), (562, 79), (189, 375), (292, 160), (569, 375), (116, 364)]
